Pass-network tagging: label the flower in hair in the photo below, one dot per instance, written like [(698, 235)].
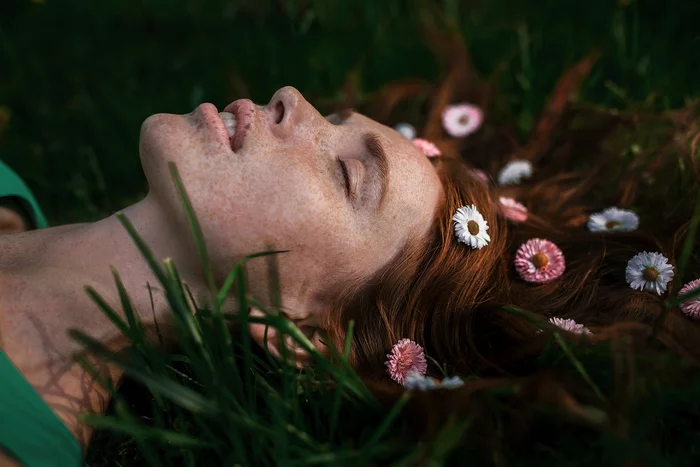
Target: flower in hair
[(514, 172), (513, 210), (613, 219), (539, 261), (471, 227), (691, 307), (424, 383), (406, 129), (569, 325), (481, 175), (428, 148), (462, 119), (649, 271), (406, 357)]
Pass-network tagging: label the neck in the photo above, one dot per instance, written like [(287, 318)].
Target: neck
[(42, 279), (74, 256)]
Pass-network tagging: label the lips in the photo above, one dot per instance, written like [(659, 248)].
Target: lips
[(242, 110), (230, 126)]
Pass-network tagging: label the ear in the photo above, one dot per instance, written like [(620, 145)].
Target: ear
[(271, 339), (11, 221)]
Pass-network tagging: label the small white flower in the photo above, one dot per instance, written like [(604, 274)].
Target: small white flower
[(649, 271), (425, 383), (569, 325), (613, 219), (471, 227), (462, 119), (406, 129), (514, 172)]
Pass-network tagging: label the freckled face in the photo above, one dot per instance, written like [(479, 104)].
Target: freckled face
[(343, 195)]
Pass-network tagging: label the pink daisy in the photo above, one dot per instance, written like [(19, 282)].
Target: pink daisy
[(513, 210), (481, 175), (406, 357), (428, 148), (691, 307), (462, 119), (539, 261), (569, 325)]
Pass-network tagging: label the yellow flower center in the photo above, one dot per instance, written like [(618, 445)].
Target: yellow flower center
[(473, 227), (650, 274), (540, 260)]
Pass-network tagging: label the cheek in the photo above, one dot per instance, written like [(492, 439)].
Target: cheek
[(252, 205)]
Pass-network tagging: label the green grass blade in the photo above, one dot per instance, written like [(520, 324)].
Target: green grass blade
[(180, 395), (109, 312), (195, 228), (141, 431), (387, 422), (689, 241), (579, 367), (677, 300), (338, 397), (132, 319)]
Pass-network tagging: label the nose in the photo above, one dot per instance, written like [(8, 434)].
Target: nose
[(288, 109)]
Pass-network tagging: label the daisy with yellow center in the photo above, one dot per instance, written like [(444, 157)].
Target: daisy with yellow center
[(471, 227)]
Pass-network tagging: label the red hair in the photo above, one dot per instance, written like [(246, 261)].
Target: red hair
[(462, 305)]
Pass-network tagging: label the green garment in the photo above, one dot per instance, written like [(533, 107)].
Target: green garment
[(12, 185), (29, 430)]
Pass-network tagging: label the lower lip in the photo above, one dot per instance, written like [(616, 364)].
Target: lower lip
[(211, 118), (243, 109)]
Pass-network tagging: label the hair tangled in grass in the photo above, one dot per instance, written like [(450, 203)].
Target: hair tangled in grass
[(470, 310)]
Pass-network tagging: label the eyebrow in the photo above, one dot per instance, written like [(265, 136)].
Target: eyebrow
[(374, 148)]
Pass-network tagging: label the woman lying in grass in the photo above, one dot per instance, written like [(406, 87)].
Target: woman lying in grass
[(393, 234)]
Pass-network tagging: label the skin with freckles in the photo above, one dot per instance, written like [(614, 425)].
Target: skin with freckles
[(285, 188), (341, 195)]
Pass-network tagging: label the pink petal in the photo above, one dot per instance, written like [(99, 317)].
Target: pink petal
[(513, 210), (481, 175), (406, 357), (428, 148), (529, 271), (692, 307), (462, 119)]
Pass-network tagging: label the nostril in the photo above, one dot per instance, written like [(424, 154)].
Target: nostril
[(279, 112)]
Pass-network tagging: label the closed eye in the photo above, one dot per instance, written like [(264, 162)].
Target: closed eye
[(346, 177)]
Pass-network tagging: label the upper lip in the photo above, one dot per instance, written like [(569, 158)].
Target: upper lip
[(243, 110)]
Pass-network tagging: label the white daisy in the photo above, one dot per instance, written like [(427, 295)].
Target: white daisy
[(471, 227), (649, 271), (462, 119), (569, 325), (406, 129), (514, 172), (613, 219), (424, 383)]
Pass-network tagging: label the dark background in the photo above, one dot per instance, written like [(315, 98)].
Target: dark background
[(78, 77)]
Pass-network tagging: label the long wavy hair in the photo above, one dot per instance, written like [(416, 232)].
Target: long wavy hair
[(468, 308)]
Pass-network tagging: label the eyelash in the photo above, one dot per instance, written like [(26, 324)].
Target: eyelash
[(346, 177)]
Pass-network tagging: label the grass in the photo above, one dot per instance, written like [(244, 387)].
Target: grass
[(76, 81), (221, 401)]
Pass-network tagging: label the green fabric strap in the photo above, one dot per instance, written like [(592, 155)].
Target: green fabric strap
[(29, 430), (12, 185)]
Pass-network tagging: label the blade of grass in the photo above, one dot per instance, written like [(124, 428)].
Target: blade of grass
[(195, 228), (386, 423), (338, 397), (180, 395), (140, 431), (579, 366), (689, 241)]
